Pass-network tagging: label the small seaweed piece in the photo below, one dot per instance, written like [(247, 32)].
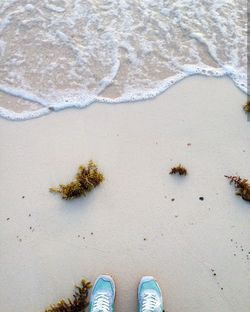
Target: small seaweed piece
[(178, 169), (87, 178), (242, 186), (78, 304), (247, 107)]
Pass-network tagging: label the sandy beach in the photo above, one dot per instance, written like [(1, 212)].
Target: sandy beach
[(140, 221)]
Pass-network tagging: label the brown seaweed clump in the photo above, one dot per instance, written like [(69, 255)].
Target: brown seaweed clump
[(178, 169), (242, 186), (247, 107), (87, 178), (78, 304)]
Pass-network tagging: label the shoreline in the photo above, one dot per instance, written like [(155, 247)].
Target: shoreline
[(24, 115)]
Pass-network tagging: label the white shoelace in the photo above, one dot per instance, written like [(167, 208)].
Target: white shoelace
[(102, 303), (149, 303)]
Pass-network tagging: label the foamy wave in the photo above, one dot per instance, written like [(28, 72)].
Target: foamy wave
[(71, 53)]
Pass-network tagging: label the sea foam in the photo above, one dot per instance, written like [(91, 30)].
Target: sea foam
[(71, 53)]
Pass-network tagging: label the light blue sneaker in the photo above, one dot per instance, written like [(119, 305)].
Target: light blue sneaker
[(103, 295), (149, 295)]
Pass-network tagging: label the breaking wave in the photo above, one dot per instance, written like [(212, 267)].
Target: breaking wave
[(70, 53)]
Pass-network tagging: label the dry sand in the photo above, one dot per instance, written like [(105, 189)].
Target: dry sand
[(47, 245)]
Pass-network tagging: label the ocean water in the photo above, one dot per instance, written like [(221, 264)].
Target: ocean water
[(70, 53)]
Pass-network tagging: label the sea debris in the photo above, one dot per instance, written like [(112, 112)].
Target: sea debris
[(178, 169), (242, 186), (247, 107), (78, 304), (86, 179)]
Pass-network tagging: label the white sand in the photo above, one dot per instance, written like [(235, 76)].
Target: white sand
[(135, 145)]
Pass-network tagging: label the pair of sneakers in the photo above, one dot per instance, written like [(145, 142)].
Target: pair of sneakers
[(103, 295)]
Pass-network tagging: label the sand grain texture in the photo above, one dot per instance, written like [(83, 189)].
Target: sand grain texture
[(129, 226)]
